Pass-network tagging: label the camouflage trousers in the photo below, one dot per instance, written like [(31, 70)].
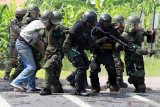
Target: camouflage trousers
[(135, 70), (13, 57), (119, 65), (52, 72)]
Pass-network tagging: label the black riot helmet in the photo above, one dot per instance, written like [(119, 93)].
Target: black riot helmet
[(90, 17), (105, 21)]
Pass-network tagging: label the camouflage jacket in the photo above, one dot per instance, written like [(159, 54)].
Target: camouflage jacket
[(26, 21), (55, 39), (14, 28), (135, 38)]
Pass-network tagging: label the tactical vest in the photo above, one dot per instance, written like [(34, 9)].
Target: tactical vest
[(135, 37), (108, 45), (85, 36), (55, 39)]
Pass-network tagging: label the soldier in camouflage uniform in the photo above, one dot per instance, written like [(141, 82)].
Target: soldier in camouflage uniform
[(80, 40), (14, 30), (58, 16), (33, 14), (54, 54), (71, 77), (134, 62), (118, 23)]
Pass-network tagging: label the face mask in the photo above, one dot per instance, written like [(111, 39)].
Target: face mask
[(19, 18)]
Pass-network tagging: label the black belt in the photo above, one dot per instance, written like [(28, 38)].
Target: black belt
[(20, 38)]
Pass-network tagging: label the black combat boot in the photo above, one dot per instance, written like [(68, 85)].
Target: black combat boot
[(114, 88), (35, 90), (121, 83), (139, 88), (81, 93), (139, 91), (97, 90), (45, 91), (58, 89)]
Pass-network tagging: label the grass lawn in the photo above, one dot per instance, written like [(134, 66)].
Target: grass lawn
[(152, 68)]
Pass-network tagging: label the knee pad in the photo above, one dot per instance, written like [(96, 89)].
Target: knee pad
[(94, 67), (52, 62), (79, 63)]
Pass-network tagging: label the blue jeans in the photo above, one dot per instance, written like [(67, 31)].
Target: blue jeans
[(25, 53)]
